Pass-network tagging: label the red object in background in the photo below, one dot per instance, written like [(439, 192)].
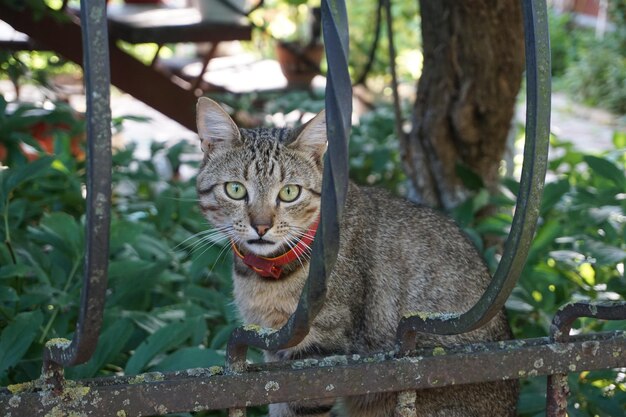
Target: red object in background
[(588, 7), (42, 133)]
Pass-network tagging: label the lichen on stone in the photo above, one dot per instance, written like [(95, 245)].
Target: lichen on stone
[(216, 370), (261, 331), (23, 387), (58, 342), (439, 351), (272, 386)]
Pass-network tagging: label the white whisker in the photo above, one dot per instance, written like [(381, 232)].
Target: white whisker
[(292, 246)]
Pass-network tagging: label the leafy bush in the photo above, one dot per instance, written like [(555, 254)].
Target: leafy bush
[(162, 294), (598, 77), (591, 70), (578, 253), (562, 42)]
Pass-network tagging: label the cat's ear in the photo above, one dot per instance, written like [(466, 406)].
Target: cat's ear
[(215, 127), (311, 138)]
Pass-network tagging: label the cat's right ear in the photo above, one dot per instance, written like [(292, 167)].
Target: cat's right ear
[(215, 127), (311, 138)]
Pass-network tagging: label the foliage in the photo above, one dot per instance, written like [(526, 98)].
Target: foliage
[(165, 303), (591, 70), (407, 39), (562, 42), (374, 156), (599, 75), (578, 253)]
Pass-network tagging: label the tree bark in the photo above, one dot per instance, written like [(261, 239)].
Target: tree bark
[(473, 65)]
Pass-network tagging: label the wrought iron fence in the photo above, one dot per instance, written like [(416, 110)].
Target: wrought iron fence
[(238, 384)]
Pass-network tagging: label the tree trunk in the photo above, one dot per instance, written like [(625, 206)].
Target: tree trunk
[(473, 64)]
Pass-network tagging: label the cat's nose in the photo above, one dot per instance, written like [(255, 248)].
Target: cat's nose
[(261, 229)]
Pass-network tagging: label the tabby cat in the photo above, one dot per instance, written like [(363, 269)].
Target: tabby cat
[(261, 189)]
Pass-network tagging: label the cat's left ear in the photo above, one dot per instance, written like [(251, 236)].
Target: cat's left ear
[(312, 138), (215, 127)]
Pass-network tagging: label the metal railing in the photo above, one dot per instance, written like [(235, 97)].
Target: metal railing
[(239, 385)]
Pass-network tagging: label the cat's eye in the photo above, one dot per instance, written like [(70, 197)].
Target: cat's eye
[(235, 190), (289, 193)]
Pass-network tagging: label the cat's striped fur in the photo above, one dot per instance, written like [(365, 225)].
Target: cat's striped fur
[(394, 258)]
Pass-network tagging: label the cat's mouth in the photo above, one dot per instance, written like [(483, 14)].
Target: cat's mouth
[(260, 241)]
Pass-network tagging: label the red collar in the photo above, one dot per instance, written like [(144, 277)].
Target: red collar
[(271, 267)]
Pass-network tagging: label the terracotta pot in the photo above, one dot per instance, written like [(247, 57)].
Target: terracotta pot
[(299, 64)]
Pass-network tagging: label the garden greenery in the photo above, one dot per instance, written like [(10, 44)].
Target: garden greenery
[(591, 70)]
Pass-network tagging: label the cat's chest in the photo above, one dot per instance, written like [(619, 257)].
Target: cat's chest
[(265, 302)]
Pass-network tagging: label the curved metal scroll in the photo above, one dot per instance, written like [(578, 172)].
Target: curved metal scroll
[(97, 86), (334, 189), (529, 198)]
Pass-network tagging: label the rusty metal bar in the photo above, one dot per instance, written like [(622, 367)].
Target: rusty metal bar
[(529, 198), (97, 86), (334, 189), (336, 376), (558, 388)]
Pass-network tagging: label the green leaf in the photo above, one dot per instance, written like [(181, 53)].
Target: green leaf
[(511, 184), (480, 200), (63, 232), (161, 341), (605, 254), (132, 280), (8, 294), (544, 237), (471, 180), (531, 403), (26, 172), (124, 233), (552, 194), (188, 358), (619, 139), (15, 271), (464, 213), (111, 342), (17, 337), (516, 304), (606, 169), (221, 337)]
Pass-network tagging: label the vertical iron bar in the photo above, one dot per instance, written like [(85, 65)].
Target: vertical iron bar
[(334, 190), (97, 85), (538, 89)]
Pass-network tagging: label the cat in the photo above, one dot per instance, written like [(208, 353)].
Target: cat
[(261, 188)]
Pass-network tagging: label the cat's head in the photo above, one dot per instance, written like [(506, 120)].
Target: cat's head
[(260, 187)]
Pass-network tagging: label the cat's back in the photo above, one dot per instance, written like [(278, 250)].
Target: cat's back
[(412, 238), (410, 258)]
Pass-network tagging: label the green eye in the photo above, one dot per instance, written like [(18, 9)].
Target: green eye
[(235, 190), (289, 193)]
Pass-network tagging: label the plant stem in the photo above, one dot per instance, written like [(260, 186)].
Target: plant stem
[(7, 233), (46, 329)]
